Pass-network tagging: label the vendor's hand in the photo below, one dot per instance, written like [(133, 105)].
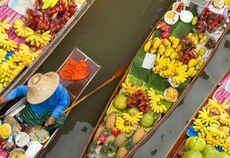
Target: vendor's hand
[(2, 100), (50, 121)]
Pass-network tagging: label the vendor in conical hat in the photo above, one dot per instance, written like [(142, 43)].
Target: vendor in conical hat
[(47, 98)]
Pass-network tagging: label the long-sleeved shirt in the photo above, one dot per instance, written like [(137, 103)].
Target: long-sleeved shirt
[(57, 103)]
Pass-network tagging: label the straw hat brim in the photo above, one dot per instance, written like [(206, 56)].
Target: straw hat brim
[(36, 96)]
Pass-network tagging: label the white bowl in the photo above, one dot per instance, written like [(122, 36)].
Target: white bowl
[(171, 21), (186, 16), (22, 139)]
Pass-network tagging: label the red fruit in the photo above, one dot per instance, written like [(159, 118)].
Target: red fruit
[(115, 131), (166, 28), (102, 138), (143, 107), (165, 34)]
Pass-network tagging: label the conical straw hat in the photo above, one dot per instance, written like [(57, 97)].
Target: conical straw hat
[(42, 86)]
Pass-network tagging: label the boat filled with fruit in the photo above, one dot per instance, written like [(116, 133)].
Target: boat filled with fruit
[(21, 140), (207, 134), (29, 31), (163, 71)]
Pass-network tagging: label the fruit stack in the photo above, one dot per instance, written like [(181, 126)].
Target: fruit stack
[(22, 40), (177, 59), (130, 116), (209, 133)]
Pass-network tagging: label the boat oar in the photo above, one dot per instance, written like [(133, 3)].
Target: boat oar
[(117, 74)]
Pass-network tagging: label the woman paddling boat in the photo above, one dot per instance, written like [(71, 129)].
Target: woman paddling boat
[(47, 97)]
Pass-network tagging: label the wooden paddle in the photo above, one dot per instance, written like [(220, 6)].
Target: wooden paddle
[(117, 74)]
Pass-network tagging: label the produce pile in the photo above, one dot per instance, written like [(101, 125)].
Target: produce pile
[(15, 143), (23, 38), (209, 134), (180, 51)]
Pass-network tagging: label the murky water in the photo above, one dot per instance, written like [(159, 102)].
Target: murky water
[(110, 33)]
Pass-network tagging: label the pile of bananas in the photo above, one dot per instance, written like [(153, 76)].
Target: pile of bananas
[(207, 118), (167, 63), (166, 47), (217, 107), (156, 102), (34, 38), (122, 125), (8, 71), (2, 54), (4, 25), (21, 30), (200, 127), (225, 119), (130, 89), (226, 145), (26, 55), (133, 119), (197, 38)]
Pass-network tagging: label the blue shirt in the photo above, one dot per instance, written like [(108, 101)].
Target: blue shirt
[(57, 103)]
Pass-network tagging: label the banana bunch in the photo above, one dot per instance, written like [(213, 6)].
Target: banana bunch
[(2, 54), (206, 117), (161, 64), (155, 102), (180, 74), (212, 140), (220, 132), (32, 53), (4, 25), (122, 126), (39, 39), (130, 89), (217, 107), (224, 119), (199, 127), (169, 70), (21, 30), (132, 119), (8, 71), (9, 45), (226, 145)]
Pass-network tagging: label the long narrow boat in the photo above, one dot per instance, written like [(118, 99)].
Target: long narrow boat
[(178, 149), (27, 72), (75, 88), (102, 142)]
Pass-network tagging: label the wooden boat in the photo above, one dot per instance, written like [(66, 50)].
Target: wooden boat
[(177, 148), (75, 88), (27, 72), (164, 116)]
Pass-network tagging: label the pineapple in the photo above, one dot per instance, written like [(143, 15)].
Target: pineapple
[(138, 135), (129, 144), (120, 139), (122, 152), (110, 121)]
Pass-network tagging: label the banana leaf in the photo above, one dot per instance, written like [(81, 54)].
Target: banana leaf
[(179, 29)]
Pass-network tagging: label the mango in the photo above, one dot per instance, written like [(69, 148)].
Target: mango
[(194, 20), (147, 46)]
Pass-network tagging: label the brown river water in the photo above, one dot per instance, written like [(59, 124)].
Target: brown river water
[(111, 33)]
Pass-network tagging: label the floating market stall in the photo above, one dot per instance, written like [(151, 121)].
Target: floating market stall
[(29, 32), (159, 77), (207, 132), (18, 139)]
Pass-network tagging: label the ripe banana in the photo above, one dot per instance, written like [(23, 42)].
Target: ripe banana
[(218, 108), (4, 25), (121, 125), (133, 119), (206, 117), (130, 89)]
